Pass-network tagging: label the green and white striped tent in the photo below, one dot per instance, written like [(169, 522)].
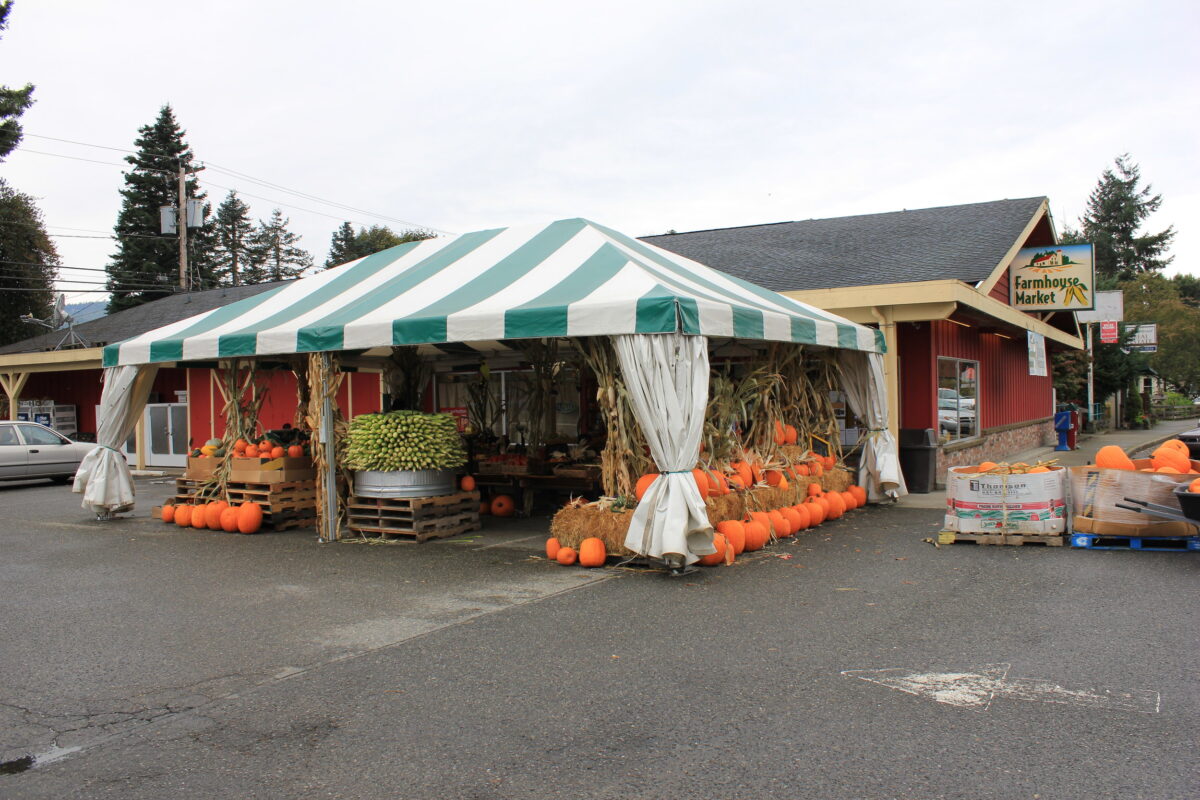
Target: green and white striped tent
[(572, 277)]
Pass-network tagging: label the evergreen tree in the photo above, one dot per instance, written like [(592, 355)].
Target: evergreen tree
[(1116, 209), (13, 102), (273, 251), (232, 234), (341, 246), (346, 245), (146, 264), (28, 265)]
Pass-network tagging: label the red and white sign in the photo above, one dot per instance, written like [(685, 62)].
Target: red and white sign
[(1109, 333)]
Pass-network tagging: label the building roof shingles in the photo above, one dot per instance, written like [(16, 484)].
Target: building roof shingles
[(964, 242)]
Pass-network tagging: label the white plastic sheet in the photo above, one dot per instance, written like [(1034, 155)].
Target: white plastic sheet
[(667, 378), (879, 469), (103, 477)]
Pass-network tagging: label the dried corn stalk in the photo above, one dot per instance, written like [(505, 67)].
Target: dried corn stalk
[(405, 376), (624, 456), (542, 355), (243, 401), (324, 380)]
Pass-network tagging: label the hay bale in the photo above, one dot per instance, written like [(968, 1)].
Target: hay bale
[(728, 506), (571, 525), (837, 479)]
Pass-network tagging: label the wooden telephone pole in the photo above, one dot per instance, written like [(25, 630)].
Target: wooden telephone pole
[(181, 222)]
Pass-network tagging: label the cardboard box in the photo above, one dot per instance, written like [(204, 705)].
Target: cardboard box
[(272, 470), (1095, 493), (1031, 503), (200, 468), (1170, 528)]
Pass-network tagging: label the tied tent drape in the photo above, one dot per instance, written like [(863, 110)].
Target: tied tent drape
[(879, 469), (667, 379), (103, 477)]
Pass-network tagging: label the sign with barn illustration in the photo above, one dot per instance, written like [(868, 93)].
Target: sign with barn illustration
[(1053, 278)]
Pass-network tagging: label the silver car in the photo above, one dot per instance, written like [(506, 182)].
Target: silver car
[(29, 450)]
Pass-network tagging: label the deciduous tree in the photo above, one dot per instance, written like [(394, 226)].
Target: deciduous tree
[(28, 265)]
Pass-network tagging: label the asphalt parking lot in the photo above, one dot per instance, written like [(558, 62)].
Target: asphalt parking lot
[(857, 661)]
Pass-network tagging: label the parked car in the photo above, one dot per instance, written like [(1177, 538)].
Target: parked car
[(953, 418), (949, 395), (29, 450)]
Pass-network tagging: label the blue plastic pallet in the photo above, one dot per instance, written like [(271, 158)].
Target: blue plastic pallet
[(1091, 541)]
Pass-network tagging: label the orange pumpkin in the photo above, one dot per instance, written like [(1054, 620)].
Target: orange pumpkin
[(1039, 469), (250, 517), (552, 547), (713, 559), (503, 506), (240, 444), (566, 556), (183, 515), (783, 484), (1163, 470), (756, 471), (296, 451), (467, 484), (276, 452), (1194, 486), (643, 484), (789, 434), (860, 494), (837, 506), (200, 517), (849, 500), (485, 507), (229, 519), (801, 470), (780, 433), (756, 536), (802, 513), (1170, 457), (745, 473), (1179, 445), (773, 477), (734, 533), (251, 451), (795, 524), (813, 490), (815, 470), (724, 484), (1112, 457), (818, 510), (592, 552), (168, 513), (714, 484), (762, 518), (735, 484), (779, 524), (701, 482), (212, 515)]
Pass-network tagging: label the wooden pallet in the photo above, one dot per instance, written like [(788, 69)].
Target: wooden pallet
[(284, 505), (1050, 540), (419, 518)]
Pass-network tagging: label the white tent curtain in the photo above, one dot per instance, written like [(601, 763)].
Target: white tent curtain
[(879, 469), (667, 379), (103, 476)]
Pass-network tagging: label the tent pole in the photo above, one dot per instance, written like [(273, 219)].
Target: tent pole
[(329, 521)]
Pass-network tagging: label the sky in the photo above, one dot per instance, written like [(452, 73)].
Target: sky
[(644, 116)]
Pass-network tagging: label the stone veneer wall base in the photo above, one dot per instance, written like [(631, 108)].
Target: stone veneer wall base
[(995, 447)]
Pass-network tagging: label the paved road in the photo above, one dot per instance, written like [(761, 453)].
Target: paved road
[(273, 667)]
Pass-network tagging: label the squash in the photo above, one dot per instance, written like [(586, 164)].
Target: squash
[(229, 519), (1113, 457), (701, 480), (251, 451), (837, 506), (250, 517), (745, 473), (275, 452), (815, 470), (860, 494), (1170, 457), (1179, 445), (734, 533), (1194, 486), (779, 524), (1039, 469), (818, 510), (552, 547), (566, 556), (780, 433), (643, 484), (296, 451), (773, 477), (735, 484), (756, 536), (801, 470), (168, 513), (795, 524), (802, 514), (467, 484), (212, 515), (183, 515), (762, 518), (503, 506), (714, 484), (849, 500), (790, 434), (200, 517), (592, 552), (814, 490), (713, 559)]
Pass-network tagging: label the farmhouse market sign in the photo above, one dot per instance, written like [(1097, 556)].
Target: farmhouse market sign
[(1053, 278)]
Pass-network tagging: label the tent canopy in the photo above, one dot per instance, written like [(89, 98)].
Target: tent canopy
[(569, 278)]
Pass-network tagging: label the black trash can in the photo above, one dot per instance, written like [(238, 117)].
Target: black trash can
[(918, 459)]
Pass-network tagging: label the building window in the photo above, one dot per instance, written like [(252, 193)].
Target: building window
[(958, 399)]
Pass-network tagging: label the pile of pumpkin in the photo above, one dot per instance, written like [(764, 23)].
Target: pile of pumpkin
[(744, 475), (1171, 458), (267, 449), (216, 516), (734, 537), (1004, 468)]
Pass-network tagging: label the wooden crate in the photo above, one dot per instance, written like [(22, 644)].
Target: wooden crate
[(1050, 540), (418, 518), (285, 505)]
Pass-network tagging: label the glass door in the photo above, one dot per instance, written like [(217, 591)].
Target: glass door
[(166, 435)]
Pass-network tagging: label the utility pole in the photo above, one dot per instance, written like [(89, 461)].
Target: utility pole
[(1091, 378), (181, 221)]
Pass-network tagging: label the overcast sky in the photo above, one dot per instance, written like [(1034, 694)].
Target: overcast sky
[(645, 116)]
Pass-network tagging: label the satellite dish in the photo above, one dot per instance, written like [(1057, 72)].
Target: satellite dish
[(60, 317)]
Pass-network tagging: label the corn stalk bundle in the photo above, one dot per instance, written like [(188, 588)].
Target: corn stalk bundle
[(824, 378), (324, 382), (732, 405), (624, 456), (542, 355), (243, 402), (483, 407), (299, 366)]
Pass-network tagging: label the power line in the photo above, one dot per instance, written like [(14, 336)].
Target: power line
[(93, 160), (105, 147)]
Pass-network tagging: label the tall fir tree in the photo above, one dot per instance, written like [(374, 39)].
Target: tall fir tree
[(28, 264), (1116, 209), (146, 264), (346, 245), (232, 235), (341, 246), (274, 252), (13, 102)]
